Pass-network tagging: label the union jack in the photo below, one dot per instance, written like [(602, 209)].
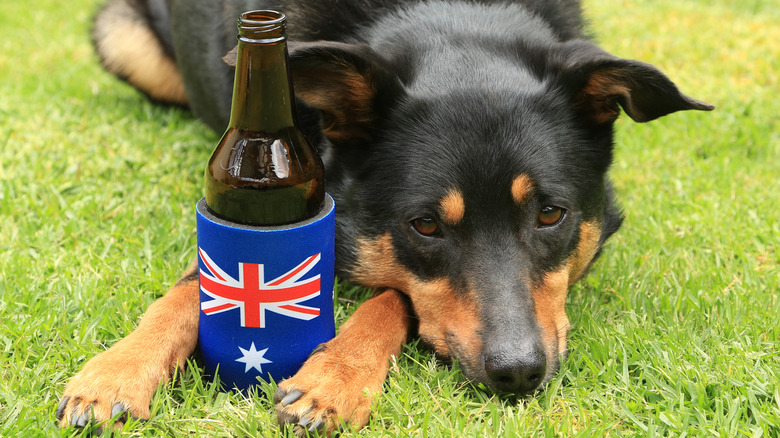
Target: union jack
[(253, 295)]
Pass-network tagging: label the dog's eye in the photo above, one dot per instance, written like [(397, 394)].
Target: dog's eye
[(427, 226), (550, 216)]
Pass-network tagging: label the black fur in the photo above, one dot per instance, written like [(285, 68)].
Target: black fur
[(203, 31)]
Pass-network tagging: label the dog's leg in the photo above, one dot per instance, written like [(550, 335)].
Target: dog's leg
[(337, 382), (123, 378)]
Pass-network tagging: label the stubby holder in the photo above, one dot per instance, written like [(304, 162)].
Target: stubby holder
[(266, 295)]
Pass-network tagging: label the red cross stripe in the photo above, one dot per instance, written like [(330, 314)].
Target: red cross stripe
[(253, 295)]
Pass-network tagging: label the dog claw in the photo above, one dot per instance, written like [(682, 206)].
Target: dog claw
[(305, 421), (291, 397), (84, 419), (317, 425), (117, 409), (61, 408), (80, 420), (318, 349)]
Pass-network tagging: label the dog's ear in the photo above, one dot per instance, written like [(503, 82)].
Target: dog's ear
[(599, 82), (350, 84)]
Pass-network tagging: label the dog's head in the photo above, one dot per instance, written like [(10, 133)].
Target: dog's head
[(481, 200)]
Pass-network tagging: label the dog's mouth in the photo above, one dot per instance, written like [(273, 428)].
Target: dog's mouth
[(501, 374)]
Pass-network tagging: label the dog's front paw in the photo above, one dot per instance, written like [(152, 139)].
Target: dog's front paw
[(112, 385), (324, 396)]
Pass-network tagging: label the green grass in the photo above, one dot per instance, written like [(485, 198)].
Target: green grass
[(676, 331)]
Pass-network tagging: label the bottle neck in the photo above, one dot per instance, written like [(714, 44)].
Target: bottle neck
[(262, 91)]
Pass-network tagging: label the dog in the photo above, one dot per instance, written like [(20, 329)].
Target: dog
[(467, 145)]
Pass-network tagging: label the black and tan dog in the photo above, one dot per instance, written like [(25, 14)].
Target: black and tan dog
[(467, 145)]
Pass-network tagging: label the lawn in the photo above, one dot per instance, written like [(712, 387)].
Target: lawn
[(676, 330)]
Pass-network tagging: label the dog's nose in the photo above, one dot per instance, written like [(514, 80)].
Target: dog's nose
[(516, 373)]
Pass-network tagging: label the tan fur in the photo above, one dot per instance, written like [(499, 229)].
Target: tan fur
[(597, 101), (340, 381), (378, 265), (345, 98), (449, 319), (131, 370), (444, 313), (452, 207), (550, 306), (590, 235), (550, 296), (522, 188), (129, 49)]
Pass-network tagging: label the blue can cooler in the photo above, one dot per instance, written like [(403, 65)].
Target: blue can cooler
[(266, 295)]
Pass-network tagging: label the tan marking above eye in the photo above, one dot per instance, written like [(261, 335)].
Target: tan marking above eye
[(522, 187), (452, 207)]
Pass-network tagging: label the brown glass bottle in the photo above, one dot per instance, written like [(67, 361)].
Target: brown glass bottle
[(263, 171)]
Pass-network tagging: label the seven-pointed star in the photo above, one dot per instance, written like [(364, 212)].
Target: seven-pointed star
[(253, 358)]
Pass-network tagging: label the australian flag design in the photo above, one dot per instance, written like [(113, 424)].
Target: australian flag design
[(266, 296), (253, 295)]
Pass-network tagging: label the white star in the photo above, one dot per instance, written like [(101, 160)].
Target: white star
[(253, 358)]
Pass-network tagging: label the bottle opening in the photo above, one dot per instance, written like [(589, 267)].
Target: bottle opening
[(262, 25)]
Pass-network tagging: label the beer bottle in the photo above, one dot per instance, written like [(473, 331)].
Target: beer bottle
[(263, 171)]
